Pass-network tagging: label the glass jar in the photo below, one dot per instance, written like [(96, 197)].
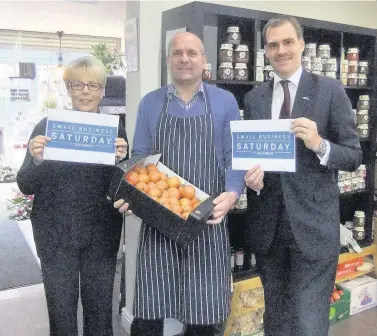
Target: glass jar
[(233, 35), (315, 72), (268, 73), (226, 71), (353, 67), (358, 233), (310, 50), (241, 54), (331, 74), (307, 63), (347, 185), (363, 102), (226, 53), (362, 80), (324, 51), (358, 219), (331, 65), (353, 54), (207, 71), (239, 260), (363, 131), (341, 187), (241, 72), (362, 117), (363, 67), (344, 79), (352, 79), (259, 76), (259, 61), (316, 64), (362, 171)]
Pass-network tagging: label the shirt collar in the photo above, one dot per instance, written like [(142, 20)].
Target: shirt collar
[(173, 91), (294, 78)]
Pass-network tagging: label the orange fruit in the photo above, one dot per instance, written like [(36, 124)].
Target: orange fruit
[(144, 177), (174, 192), (155, 198), (195, 204), (174, 182), (142, 170), (173, 200), (163, 176), (176, 208), (188, 191), (151, 167), (184, 201), (154, 192), (165, 194), (164, 201), (186, 208), (185, 214), (136, 168), (142, 186), (152, 185), (162, 185), (154, 176), (132, 177)]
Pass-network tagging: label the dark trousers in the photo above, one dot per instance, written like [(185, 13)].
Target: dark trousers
[(297, 290), (89, 272), (140, 327)]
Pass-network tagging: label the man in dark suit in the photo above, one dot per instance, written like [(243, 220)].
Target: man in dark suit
[(294, 217)]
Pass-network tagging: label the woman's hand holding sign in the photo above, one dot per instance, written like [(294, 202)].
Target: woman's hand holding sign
[(254, 178), (121, 146), (306, 130), (37, 146)]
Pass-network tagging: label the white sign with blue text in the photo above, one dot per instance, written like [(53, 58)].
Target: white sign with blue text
[(81, 137), (269, 143)]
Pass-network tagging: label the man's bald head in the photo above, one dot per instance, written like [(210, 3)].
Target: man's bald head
[(186, 36)]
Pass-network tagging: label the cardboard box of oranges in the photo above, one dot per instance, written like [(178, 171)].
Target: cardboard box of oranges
[(161, 198)]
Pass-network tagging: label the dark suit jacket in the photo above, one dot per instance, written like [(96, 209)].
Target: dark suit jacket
[(311, 194), (70, 208)]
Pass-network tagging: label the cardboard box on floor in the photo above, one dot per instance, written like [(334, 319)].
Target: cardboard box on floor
[(363, 291), (340, 309)]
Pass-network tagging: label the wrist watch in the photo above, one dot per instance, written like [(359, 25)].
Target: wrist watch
[(321, 151)]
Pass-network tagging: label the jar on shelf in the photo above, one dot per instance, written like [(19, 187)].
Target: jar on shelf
[(363, 102), (259, 76), (347, 185), (226, 71), (362, 80), (226, 53), (331, 74), (363, 131), (310, 50), (324, 51), (341, 175), (362, 171), (241, 54), (352, 79), (362, 117), (259, 60), (358, 219), (331, 65), (207, 71), (241, 72), (344, 66), (358, 233), (239, 260), (341, 187), (307, 63), (316, 64), (268, 73), (363, 67), (315, 72), (353, 67), (233, 35), (232, 258), (344, 79), (353, 54)]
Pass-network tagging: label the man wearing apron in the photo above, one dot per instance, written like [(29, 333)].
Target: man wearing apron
[(189, 123)]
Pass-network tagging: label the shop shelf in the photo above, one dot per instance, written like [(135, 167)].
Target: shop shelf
[(368, 250)]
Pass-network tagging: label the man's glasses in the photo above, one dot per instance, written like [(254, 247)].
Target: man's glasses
[(78, 86)]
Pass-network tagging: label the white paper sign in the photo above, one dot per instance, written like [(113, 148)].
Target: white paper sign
[(81, 137), (268, 143)]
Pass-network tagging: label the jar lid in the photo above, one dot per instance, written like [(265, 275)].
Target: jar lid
[(233, 29), (353, 50), (359, 213), (311, 45), (324, 47), (363, 166), (306, 58), (362, 76), (227, 46), (362, 111), (364, 97), (316, 60), (207, 66), (363, 63), (353, 63), (331, 60), (240, 66), (242, 47), (363, 126), (330, 73), (226, 65), (352, 75), (268, 67), (358, 228)]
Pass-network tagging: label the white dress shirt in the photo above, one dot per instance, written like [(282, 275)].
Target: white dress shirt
[(278, 98)]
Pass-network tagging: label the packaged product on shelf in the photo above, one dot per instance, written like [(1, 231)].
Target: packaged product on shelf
[(268, 73), (156, 194), (207, 71), (353, 54), (353, 67), (363, 67), (310, 50), (331, 65), (324, 51), (362, 117), (339, 305), (363, 131), (240, 72), (226, 71), (259, 60), (316, 64), (259, 76), (307, 63), (239, 260), (241, 54), (362, 80), (226, 53), (363, 102), (352, 79), (233, 35)]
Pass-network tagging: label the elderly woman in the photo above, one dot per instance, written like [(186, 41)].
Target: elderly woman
[(76, 228)]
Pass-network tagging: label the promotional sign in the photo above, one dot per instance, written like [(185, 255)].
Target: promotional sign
[(81, 137), (269, 143)]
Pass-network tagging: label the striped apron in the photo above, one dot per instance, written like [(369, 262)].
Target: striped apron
[(192, 284)]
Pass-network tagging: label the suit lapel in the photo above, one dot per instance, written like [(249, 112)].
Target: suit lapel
[(304, 97), (266, 106)]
